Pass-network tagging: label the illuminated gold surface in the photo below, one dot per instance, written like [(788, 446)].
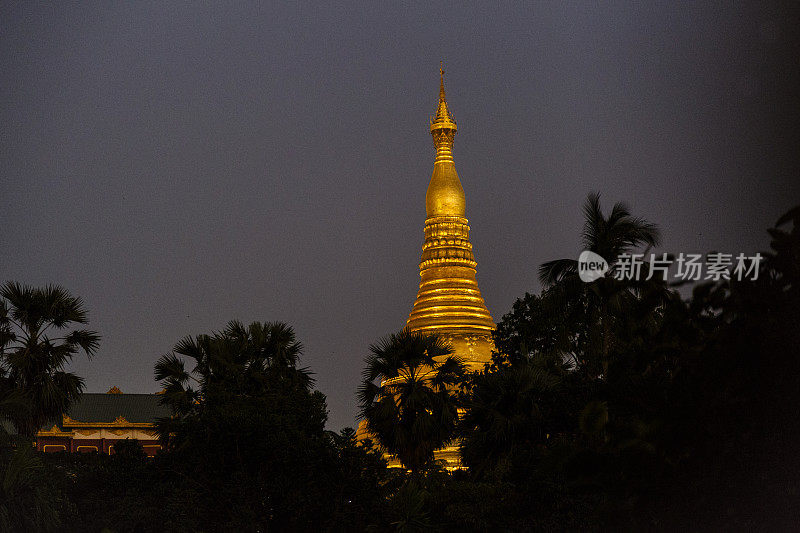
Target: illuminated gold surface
[(449, 301)]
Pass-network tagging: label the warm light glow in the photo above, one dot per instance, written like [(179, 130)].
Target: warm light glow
[(449, 302)]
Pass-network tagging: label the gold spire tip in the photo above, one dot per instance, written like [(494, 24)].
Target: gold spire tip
[(443, 117), (441, 82)]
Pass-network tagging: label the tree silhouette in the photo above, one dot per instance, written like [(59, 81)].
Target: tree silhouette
[(406, 395), (603, 300), (35, 348)]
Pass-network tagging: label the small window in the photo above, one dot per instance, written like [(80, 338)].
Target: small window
[(86, 449)]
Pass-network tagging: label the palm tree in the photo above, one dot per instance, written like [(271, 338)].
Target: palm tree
[(608, 237), (239, 361), (603, 299), (406, 395), (32, 360)]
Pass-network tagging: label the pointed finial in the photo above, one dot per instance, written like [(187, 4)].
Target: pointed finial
[(443, 114), (441, 82), (443, 124)]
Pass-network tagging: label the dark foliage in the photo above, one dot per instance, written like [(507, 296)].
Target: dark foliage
[(639, 410), (249, 437), (248, 452), (35, 348), (610, 405)]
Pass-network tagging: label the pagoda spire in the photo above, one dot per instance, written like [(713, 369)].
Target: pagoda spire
[(443, 126), (449, 302), (443, 119)]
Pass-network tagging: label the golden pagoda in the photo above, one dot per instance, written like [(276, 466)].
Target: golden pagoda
[(449, 302)]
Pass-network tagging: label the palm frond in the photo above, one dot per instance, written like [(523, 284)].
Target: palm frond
[(89, 341), (171, 367), (594, 222), (553, 272), (196, 348), (61, 308)]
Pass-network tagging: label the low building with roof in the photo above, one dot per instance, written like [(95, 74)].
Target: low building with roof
[(97, 421)]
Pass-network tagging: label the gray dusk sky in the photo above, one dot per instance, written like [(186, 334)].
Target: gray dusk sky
[(179, 165)]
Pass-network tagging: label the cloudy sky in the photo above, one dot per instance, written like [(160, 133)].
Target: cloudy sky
[(182, 165)]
